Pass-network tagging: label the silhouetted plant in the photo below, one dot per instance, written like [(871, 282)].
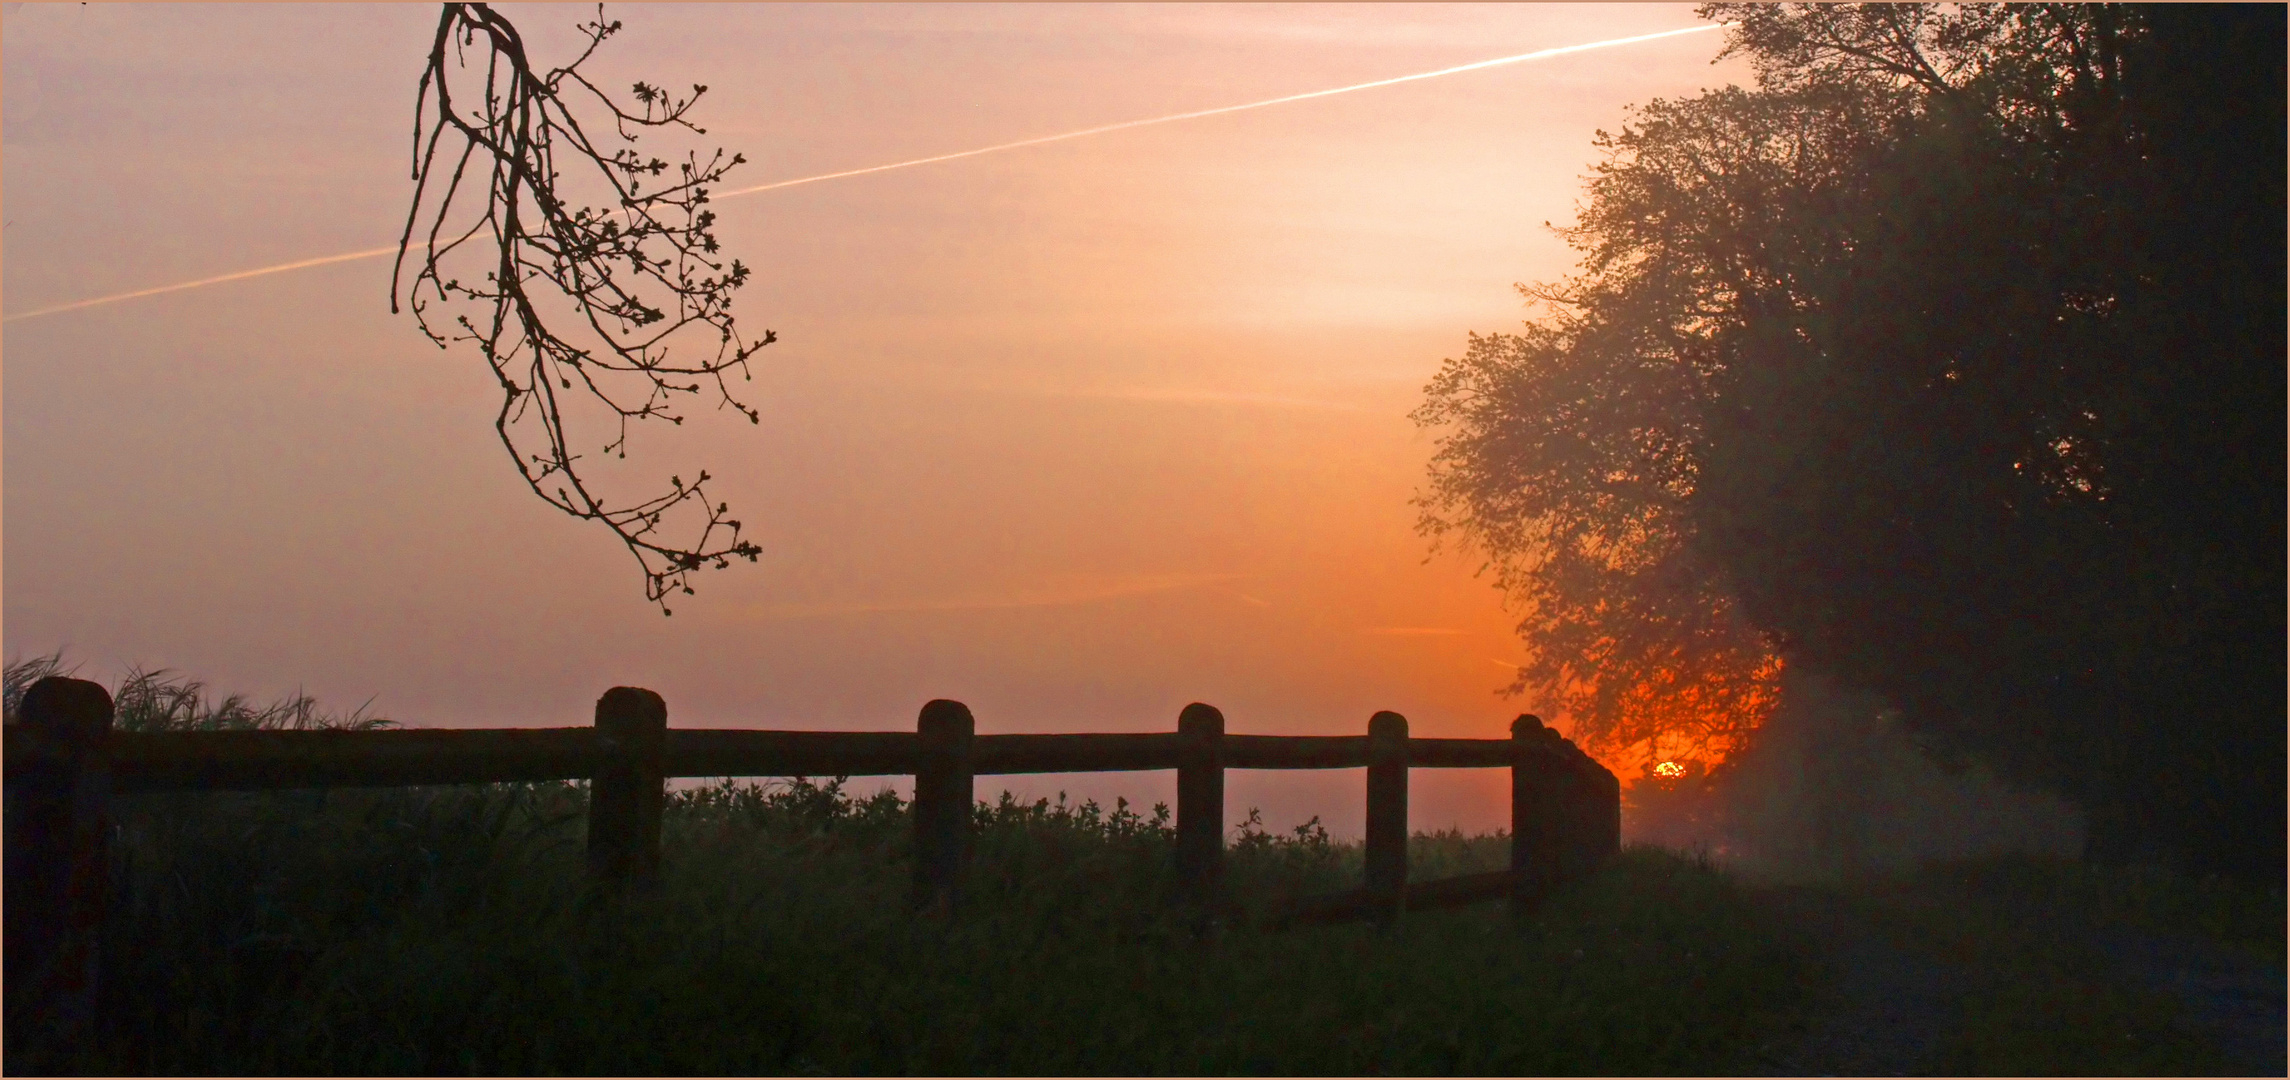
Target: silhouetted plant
[(569, 297)]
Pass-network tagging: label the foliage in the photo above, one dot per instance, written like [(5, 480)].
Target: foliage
[(1580, 511), (160, 700), (1946, 361), (568, 294)]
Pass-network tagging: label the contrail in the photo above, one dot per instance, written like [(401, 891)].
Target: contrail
[(375, 253), (305, 264), (1174, 117)]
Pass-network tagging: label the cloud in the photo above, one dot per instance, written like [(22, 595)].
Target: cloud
[(1064, 593)]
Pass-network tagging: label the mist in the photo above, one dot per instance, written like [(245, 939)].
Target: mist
[(1833, 790)]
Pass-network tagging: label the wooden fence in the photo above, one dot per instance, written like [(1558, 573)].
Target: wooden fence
[(63, 762)]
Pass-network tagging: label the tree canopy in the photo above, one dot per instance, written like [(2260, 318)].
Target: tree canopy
[(1947, 360)]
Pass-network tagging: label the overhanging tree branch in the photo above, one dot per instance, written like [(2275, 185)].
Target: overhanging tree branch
[(560, 297)]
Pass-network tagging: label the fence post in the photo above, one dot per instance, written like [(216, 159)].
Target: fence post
[(1573, 818), (1387, 814), (1609, 813), (1537, 814), (942, 782), (1200, 803), (1597, 817), (58, 866), (626, 795)]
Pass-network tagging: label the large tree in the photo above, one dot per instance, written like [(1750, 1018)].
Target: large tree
[(1948, 361)]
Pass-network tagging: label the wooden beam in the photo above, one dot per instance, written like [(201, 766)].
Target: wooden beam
[(1387, 812), (1201, 804), (628, 793), (57, 865), (1451, 892), (1295, 751), (942, 799)]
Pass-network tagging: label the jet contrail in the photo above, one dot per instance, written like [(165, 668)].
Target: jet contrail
[(1174, 117), (374, 253), (305, 264)]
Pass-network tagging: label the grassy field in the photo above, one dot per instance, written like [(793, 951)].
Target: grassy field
[(450, 931)]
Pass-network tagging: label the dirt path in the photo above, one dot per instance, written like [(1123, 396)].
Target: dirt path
[(2234, 1001), (1895, 1010)]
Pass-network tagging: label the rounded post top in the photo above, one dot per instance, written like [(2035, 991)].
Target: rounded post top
[(1527, 726), (70, 711), (631, 710), (1201, 721), (945, 719), (1387, 725)]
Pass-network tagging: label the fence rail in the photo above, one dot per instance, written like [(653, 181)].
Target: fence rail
[(141, 761), (63, 762)]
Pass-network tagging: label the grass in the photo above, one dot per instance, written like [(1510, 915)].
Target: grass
[(449, 930)]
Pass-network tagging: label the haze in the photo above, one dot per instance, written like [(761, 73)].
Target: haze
[(1075, 434)]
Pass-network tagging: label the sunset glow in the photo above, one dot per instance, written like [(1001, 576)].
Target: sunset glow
[(1075, 435)]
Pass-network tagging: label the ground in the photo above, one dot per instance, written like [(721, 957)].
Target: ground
[(1945, 977)]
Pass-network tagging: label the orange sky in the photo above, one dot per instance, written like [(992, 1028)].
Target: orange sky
[(1076, 433)]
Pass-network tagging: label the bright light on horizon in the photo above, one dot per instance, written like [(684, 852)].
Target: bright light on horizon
[(372, 253)]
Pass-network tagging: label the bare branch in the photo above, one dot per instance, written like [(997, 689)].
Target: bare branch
[(643, 275)]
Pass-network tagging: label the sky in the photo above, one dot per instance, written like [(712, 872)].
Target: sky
[(1075, 433)]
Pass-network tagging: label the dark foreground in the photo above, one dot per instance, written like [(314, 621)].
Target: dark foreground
[(453, 930), (448, 931), (2037, 967)]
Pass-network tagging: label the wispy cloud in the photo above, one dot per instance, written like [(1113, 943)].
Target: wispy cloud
[(1410, 631), (1060, 593)]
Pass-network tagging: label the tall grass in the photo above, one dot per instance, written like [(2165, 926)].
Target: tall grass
[(450, 930)]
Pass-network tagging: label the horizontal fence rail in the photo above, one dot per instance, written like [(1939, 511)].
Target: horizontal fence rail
[(63, 762), (145, 761)]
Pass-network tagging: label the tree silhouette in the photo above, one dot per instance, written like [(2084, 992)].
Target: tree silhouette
[(1949, 357), (624, 304)]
